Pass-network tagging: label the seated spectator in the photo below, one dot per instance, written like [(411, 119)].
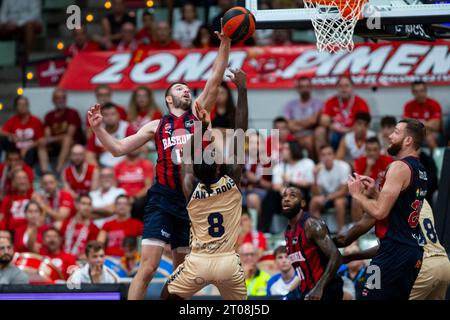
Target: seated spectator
[(57, 204), (282, 283), (115, 231), (12, 210), (62, 129), (127, 41), (275, 148), (387, 124), (29, 237), (427, 110), (338, 114), (330, 185), (131, 257), (146, 35), (80, 177), (282, 37), (12, 163), (119, 129), (135, 175), (353, 145), (142, 108), (81, 43), (6, 234), (224, 6), (205, 38), (9, 273), (26, 133), (22, 17), (303, 114), (186, 29), (222, 114), (51, 248), (249, 235), (255, 279), (94, 270), (104, 197), (79, 230), (293, 170), (354, 271), (113, 22), (163, 39)]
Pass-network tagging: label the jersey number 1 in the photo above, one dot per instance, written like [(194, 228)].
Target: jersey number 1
[(216, 229)]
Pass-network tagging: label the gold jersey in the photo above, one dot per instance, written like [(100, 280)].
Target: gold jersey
[(432, 246), (215, 217)]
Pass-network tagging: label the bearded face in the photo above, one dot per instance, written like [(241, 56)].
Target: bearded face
[(181, 96), (395, 148)]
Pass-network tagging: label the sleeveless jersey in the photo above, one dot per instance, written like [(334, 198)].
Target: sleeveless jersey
[(432, 245), (215, 217), (80, 183), (402, 224), (306, 257), (171, 135)]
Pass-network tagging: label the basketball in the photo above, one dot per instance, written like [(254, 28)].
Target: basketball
[(238, 24)]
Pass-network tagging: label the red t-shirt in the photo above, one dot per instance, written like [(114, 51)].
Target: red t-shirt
[(80, 183), (64, 200), (76, 242), (5, 177), (131, 176), (20, 241), (144, 36), (257, 238), (13, 210), (59, 121), (431, 109), (173, 45), (344, 112), (119, 230), (89, 46), (61, 260), (142, 119), (27, 133), (378, 169)]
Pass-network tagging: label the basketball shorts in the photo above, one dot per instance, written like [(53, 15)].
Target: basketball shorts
[(392, 272), (166, 217), (197, 271)]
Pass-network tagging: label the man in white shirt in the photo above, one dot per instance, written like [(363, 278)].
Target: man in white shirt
[(330, 185), (94, 271), (282, 283)]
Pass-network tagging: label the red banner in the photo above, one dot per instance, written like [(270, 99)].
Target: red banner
[(384, 64)]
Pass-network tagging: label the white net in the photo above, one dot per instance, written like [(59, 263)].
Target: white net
[(334, 22)]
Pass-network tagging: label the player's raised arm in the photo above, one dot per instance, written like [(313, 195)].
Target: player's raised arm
[(119, 147), (209, 94), (317, 231), (397, 179)]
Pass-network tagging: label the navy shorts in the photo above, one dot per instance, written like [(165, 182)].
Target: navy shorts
[(398, 266), (166, 217)]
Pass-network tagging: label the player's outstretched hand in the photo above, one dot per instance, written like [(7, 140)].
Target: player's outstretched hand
[(355, 186), (95, 117), (203, 115), (238, 77), (221, 35)]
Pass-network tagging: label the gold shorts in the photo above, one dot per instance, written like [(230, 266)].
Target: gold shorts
[(433, 279)]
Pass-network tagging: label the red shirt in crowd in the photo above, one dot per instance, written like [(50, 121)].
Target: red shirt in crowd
[(143, 118), (13, 210), (344, 112), (59, 121), (60, 260), (378, 169), (26, 133), (20, 241), (257, 238), (117, 231), (63, 200), (5, 178), (80, 183), (429, 110), (77, 235), (173, 45), (143, 36), (131, 176), (88, 46)]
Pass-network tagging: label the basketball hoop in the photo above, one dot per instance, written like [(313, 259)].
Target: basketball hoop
[(334, 22)]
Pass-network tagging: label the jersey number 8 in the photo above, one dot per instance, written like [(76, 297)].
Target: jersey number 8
[(216, 229)]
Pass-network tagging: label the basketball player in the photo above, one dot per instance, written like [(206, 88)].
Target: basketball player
[(215, 208), (396, 209), (312, 252), (434, 276), (165, 217)]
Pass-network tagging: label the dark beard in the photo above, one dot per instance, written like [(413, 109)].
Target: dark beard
[(178, 104), (292, 212), (5, 259), (395, 148)]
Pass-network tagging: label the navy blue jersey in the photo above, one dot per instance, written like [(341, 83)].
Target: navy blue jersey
[(402, 224)]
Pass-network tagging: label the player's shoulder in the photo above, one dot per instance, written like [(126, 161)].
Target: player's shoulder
[(315, 227)]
